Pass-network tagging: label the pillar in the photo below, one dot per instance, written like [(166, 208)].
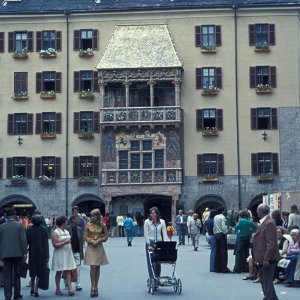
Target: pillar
[(175, 198)]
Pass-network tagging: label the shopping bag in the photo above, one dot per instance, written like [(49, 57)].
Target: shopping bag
[(44, 278)]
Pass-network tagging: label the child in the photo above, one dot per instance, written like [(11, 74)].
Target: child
[(170, 230)]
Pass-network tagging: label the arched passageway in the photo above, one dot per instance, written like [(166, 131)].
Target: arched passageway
[(88, 202), (163, 203), (23, 205), (253, 206)]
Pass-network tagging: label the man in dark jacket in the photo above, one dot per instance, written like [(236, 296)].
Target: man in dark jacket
[(76, 233), (13, 249)]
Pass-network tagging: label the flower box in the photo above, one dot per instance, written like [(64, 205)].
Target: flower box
[(46, 135), (262, 47), (86, 53), (47, 95), (18, 180), (210, 91), (265, 178), (49, 53), (86, 135), (210, 132), (20, 97), (86, 180), (20, 54), (264, 91), (45, 180), (86, 95), (210, 178), (208, 48), (203, 50)]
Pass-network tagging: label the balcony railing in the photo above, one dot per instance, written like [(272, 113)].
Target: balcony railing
[(145, 176), (164, 114)]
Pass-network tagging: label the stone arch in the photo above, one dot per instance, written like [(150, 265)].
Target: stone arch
[(22, 204), (87, 202), (258, 199)]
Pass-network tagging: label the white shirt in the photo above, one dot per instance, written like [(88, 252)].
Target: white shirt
[(155, 232), (262, 219)]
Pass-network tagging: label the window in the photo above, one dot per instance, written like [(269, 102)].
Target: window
[(86, 80), (20, 82), (19, 124), (86, 166), (263, 163), (85, 38), (86, 121), (1, 42), (18, 166), (261, 34), (208, 76), (209, 118), (141, 156), (48, 39), (208, 35), (263, 118), (210, 164), (48, 81), (262, 75), (20, 40), (48, 165), (48, 122)]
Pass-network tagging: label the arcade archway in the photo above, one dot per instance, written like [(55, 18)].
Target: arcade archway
[(23, 205), (253, 206), (88, 202), (163, 203)]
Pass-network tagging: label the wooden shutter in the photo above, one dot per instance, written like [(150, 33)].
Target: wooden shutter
[(58, 40), (96, 121), (199, 120), (38, 36), (275, 163), (75, 167), (76, 81), (274, 122), (37, 167), (58, 82), (95, 39), (11, 42), (28, 167), (58, 122), (218, 36), (9, 167), (96, 166), (10, 124), (57, 167), (76, 40), (198, 41), (1, 168), (220, 158), (254, 163), (219, 119), (253, 112), (76, 122), (199, 165), (273, 77), (251, 35), (38, 82), (29, 41), (95, 82), (219, 78), (199, 78), (38, 123), (29, 123), (252, 77), (1, 42), (272, 34)]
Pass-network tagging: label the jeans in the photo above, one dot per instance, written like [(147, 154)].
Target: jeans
[(140, 230), (181, 234), (129, 234), (212, 243)]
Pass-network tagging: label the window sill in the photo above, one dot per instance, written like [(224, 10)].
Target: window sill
[(47, 96), (207, 180), (20, 55), (86, 96), (48, 55), (265, 179), (209, 51), (85, 55), (210, 93), (261, 49), (48, 135), (85, 135), (20, 98), (210, 132), (269, 91)]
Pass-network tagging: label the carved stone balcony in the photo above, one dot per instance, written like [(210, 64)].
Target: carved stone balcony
[(141, 115), (145, 176)]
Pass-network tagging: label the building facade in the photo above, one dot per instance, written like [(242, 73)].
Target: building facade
[(125, 105)]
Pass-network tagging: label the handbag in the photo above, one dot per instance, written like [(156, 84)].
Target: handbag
[(22, 268), (43, 282)]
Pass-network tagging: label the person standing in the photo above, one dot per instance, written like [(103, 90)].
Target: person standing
[(113, 224), (220, 231), (265, 252), (209, 227), (181, 221), (120, 223), (294, 217), (95, 235), (75, 212), (13, 250), (77, 242), (140, 224), (189, 219), (129, 229), (194, 230), (38, 248)]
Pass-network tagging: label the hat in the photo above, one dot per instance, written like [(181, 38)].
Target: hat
[(294, 232), (11, 212)]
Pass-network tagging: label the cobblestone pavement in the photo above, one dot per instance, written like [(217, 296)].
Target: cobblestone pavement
[(126, 275)]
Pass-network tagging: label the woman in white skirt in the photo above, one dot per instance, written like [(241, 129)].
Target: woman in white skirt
[(63, 259), (95, 234)]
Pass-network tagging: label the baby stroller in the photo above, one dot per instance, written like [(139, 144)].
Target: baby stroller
[(164, 253)]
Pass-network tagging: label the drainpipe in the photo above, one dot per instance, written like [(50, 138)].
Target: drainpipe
[(67, 13), (235, 8)]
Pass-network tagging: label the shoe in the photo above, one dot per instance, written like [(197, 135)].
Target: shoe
[(276, 281), (36, 294), (256, 280), (78, 288), (18, 297), (248, 278), (71, 293), (196, 249), (31, 292)]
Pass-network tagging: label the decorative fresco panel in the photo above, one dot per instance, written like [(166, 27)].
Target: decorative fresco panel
[(173, 147), (109, 147)]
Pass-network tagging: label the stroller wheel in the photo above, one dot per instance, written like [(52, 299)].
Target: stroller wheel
[(179, 286), (148, 285), (175, 285), (152, 286)]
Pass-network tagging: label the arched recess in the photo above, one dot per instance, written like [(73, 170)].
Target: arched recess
[(210, 201), (258, 199), (163, 203), (88, 202), (22, 204)]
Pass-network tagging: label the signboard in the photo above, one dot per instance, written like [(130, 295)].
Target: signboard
[(273, 200)]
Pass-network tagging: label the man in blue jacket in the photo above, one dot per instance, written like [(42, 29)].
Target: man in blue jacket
[(181, 220)]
